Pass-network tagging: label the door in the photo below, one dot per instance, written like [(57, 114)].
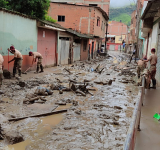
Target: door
[(63, 51), (76, 52), (92, 50)]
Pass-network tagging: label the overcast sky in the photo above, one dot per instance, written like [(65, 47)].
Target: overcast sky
[(120, 3)]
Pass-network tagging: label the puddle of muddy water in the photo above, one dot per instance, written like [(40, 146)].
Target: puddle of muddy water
[(18, 146), (46, 125)]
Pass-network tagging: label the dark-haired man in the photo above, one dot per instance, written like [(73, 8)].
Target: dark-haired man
[(17, 60), (38, 56)]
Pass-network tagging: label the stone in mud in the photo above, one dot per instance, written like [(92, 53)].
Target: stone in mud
[(60, 92), (75, 103), (6, 74), (118, 107), (21, 84), (1, 92), (110, 82), (13, 137), (78, 112)]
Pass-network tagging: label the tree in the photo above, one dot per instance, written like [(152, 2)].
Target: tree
[(34, 8)]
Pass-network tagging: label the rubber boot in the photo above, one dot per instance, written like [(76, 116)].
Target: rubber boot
[(19, 72), (14, 72), (154, 83), (41, 68), (37, 70)]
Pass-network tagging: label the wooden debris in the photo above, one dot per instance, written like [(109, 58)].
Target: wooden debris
[(67, 70), (39, 115)]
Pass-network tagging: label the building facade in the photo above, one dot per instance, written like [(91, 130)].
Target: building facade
[(105, 4)]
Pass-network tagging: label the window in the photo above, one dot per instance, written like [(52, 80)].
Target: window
[(84, 45), (98, 21), (61, 18)]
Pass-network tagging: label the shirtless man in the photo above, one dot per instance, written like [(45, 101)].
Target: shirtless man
[(38, 56), (152, 70), (1, 69), (18, 58), (141, 66)]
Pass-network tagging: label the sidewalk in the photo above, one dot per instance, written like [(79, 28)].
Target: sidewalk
[(149, 136)]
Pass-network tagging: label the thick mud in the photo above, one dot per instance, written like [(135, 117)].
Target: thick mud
[(99, 120)]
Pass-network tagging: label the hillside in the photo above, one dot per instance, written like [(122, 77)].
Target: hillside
[(122, 13)]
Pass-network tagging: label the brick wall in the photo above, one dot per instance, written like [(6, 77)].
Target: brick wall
[(103, 4), (80, 18)]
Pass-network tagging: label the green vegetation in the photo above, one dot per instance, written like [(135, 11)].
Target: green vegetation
[(33, 8), (122, 13), (49, 18)]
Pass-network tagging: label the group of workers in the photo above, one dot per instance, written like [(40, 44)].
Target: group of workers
[(152, 70), (18, 58)]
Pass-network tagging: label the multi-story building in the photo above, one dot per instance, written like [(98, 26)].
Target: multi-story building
[(86, 19), (103, 4), (117, 32)]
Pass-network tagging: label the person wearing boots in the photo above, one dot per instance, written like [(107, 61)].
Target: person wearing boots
[(38, 56), (18, 58), (152, 69)]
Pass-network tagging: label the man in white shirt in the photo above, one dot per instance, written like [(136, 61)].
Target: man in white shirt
[(17, 60), (38, 56)]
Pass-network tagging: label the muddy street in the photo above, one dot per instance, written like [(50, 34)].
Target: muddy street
[(90, 108)]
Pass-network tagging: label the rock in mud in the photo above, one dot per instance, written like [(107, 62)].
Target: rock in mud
[(75, 103), (13, 137), (118, 107), (6, 74), (78, 112), (110, 82)]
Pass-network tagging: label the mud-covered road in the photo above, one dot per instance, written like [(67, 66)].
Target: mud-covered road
[(97, 121)]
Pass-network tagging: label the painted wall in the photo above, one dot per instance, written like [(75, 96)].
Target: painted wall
[(47, 42), (19, 31), (118, 37)]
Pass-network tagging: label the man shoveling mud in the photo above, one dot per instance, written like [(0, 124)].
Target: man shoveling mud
[(38, 56), (1, 69), (152, 69), (17, 60)]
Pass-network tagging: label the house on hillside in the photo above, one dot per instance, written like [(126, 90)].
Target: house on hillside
[(57, 44), (117, 32), (88, 20)]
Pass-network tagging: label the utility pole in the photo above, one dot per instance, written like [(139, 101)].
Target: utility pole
[(106, 37)]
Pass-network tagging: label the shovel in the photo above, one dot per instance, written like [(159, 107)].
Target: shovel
[(26, 71)]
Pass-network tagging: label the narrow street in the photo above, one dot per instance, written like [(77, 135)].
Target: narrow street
[(99, 120)]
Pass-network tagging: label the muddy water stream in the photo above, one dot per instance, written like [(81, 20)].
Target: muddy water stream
[(96, 122), (45, 126)]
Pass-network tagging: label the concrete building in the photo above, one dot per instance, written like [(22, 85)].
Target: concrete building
[(151, 31), (117, 32), (103, 4), (57, 44), (85, 19)]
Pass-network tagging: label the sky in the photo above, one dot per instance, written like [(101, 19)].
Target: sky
[(120, 3)]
